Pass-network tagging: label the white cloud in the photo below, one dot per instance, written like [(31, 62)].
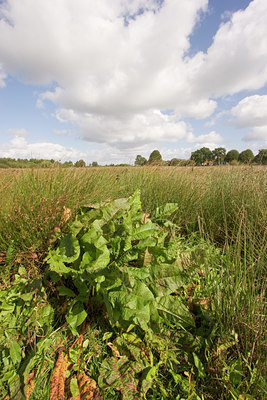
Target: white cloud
[(181, 152), (2, 77), (64, 132), (211, 138), (131, 130), (257, 134), (19, 147), (237, 59), (112, 63), (251, 113), (18, 132)]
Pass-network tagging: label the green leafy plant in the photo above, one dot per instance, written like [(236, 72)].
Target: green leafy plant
[(125, 257), (129, 308), (117, 260)]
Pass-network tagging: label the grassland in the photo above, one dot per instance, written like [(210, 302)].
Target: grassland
[(221, 207)]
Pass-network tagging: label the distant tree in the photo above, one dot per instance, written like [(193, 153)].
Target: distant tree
[(201, 155), (174, 162), (231, 156), (219, 155), (246, 156), (186, 163), (155, 157), (140, 160), (68, 164), (261, 157), (94, 164), (45, 164), (80, 164), (234, 162)]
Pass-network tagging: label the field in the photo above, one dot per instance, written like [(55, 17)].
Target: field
[(76, 279)]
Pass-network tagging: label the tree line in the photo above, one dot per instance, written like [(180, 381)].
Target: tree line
[(205, 156), (8, 162)]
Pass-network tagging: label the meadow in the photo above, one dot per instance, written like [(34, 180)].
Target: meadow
[(212, 237)]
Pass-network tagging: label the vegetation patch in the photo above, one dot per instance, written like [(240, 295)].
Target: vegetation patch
[(122, 305)]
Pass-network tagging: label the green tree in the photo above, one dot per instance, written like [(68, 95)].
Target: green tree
[(201, 155), (140, 160), (94, 164), (155, 157), (187, 163), (67, 164), (45, 164), (261, 157), (246, 156), (232, 155), (80, 164), (219, 155), (174, 162)]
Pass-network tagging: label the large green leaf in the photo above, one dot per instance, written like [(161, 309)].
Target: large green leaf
[(76, 315), (135, 202), (130, 305), (15, 351), (64, 291), (69, 248), (56, 264), (97, 255), (166, 210), (145, 231), (174, 311), (164, 279)]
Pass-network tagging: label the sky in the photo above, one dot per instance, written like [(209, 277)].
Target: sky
[(107, 80)]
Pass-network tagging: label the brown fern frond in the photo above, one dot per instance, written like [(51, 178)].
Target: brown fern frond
[(88, 388), (57, 386), (29, 386)]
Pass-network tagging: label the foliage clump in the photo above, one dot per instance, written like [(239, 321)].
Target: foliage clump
[(126, 309), (155, 158)]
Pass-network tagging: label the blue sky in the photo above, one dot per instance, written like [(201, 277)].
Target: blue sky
[(76, 81)]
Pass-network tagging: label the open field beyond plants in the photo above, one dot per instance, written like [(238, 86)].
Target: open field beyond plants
[(133, 283)]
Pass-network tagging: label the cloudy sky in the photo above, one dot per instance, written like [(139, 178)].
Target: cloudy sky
[(107, 80)]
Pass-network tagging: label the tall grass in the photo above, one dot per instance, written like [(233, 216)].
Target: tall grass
[(225, 205), (212, 200)]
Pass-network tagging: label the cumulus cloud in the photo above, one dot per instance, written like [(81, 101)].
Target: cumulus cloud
[(2, 77), (237, 58), (19, 147), (129, 130), (212, 137), (257, 134), (183, 153), (63, 132), (18, 132), (251, 113), (115, 66)]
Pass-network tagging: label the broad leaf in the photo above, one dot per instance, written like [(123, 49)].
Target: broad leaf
[(144, 231), (174, 311), (64, 291), (69, 248), (76, 315), (164, 279), (166, 210)]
